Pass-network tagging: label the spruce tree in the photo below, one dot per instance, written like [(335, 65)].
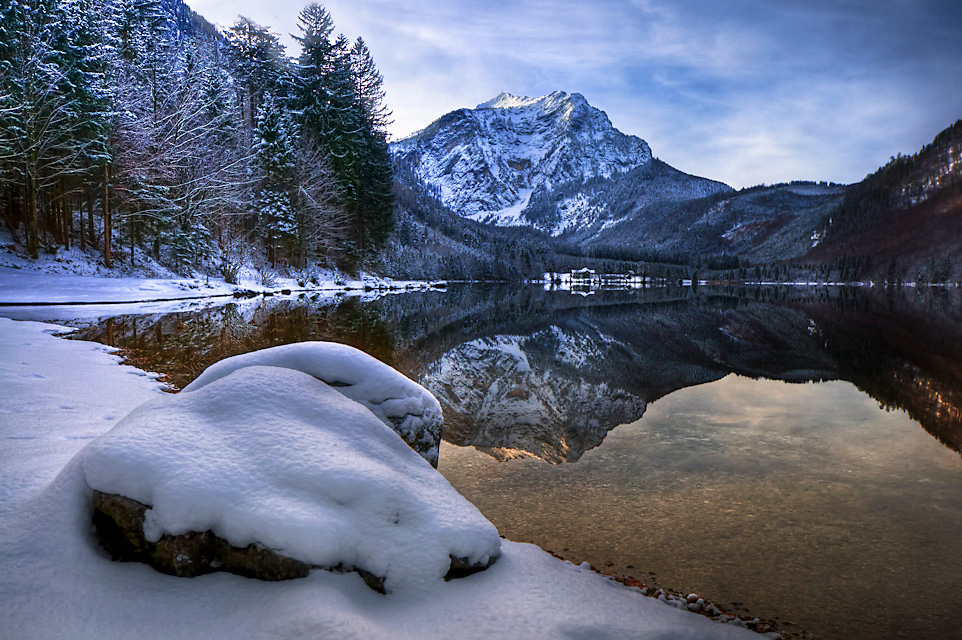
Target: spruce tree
[(375, 176), (325, 98), (258, 63), (275, 157), (49, 113), (340, 103)]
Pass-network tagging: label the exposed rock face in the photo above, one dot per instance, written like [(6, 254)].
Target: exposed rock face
[(489, 161), (555, 163), (120, 526), (119, 522)]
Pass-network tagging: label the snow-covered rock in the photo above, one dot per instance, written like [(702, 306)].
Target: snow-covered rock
[(55, 581), (397, 401), (273, 457)]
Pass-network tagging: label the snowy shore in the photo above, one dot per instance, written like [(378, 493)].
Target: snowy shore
[(74, 277), (22, 287), (56, 581)]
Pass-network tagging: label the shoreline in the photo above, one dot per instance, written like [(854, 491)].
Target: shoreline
[(43, 487), (690, 602), (694, 603)]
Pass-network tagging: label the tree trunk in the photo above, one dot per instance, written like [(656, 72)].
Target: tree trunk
[(83, 236), (67, 210), (107, 229), (33, 236), (13, 210), (90, 216)]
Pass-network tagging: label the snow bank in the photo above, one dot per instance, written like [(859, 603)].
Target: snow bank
[(23, 287), (56, 582), (400, 403)]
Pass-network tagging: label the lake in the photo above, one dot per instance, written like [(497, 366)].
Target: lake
[(790, 453)]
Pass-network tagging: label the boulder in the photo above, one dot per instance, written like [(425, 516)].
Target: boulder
[(119, 523), (120, 527), (269, 472)]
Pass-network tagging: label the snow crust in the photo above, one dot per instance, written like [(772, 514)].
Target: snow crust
[(397, 401), (273, 456), (56, 582)]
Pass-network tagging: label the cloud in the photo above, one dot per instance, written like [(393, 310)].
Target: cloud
[(743, 91)]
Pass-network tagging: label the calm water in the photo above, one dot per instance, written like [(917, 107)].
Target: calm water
[(792, 454)]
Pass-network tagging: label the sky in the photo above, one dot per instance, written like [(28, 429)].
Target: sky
[(742, 91)]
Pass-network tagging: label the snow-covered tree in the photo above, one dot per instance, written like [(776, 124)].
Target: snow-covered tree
[(157, 131), (275, 157), (52, 109), (258, 63)]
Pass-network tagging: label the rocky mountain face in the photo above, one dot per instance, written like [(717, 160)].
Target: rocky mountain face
[(902, 223), (554, 163)]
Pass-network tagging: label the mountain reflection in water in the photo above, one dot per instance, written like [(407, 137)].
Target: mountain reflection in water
[(543, 374)]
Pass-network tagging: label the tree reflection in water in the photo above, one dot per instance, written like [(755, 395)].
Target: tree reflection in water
[(546, 374)]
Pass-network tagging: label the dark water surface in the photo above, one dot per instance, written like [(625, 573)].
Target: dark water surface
[(789, 453)]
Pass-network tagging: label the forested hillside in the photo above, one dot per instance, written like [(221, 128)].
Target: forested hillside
[(432, 241), (903, 223), (135, 123)]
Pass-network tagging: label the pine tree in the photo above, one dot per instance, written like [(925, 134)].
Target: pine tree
[(11, 31), (375, 194), (122, 108), (340, 102), (52, 110), (325, 98), (88, 89), (258, 63), (275, 155)]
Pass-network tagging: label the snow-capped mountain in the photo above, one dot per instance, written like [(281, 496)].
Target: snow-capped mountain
[(547, 162)]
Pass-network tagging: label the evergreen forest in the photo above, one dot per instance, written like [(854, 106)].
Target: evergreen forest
[(137, 124)]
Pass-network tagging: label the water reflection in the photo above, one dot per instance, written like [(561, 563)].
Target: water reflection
[(802, 501), (546, 374), (182, 344)]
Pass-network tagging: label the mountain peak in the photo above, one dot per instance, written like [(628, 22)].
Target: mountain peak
[(505, 100), (490, 163)]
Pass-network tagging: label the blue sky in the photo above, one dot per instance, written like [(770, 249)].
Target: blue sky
[(744, 91)]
